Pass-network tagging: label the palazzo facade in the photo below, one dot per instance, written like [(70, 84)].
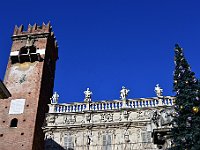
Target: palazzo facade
[(125, 124)]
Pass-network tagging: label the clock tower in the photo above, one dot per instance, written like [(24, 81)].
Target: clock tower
[(30, 79)]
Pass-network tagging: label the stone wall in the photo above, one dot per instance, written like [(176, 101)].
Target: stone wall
[(114, 129)]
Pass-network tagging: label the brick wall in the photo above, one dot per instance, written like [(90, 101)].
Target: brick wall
[(32, 81)]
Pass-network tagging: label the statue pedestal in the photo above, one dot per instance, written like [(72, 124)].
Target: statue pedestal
[(87, 106), (124, 103)]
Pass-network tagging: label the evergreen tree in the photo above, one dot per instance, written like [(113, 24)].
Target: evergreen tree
[(186, 123)]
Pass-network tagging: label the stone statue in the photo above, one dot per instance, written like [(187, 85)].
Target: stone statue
[(158, 90), (29, 41), (156, 118), (88, 95), (124, 93), (54, 99), (166, 117), (162, 117)]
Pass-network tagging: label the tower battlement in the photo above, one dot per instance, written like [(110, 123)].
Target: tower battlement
[(34, 37), (35, 29)]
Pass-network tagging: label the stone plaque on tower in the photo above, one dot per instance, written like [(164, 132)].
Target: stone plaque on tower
[(17, 106)]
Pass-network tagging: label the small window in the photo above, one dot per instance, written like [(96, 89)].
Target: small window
[(107, 142), (146, 136), (68, 143), (13, 122)]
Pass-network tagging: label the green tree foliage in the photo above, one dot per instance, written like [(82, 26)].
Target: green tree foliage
[(186, 123)]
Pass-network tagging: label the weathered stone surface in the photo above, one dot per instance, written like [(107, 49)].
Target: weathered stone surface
[(126, 128)]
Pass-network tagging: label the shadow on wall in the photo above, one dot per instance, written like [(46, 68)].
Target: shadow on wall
[(52, 145)]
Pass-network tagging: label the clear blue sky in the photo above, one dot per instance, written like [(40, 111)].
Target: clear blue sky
[(105, 44)]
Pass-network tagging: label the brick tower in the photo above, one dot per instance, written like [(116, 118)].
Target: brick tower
[(30, 79)]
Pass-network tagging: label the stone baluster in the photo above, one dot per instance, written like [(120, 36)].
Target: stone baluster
[(167, 101), (93, 106), (170, 101), (103, 106), (143, 102), (147, 103), (65, 108), (87, 106), (128, 103), (114, 105), (133, 104), (111, 105), (97, 106), (68, 108), (136, 104), (154, 103), (61, 108), (73, 108), (81, 106), (140, 103), (120, 104), (52, 108), (77, 108), (107, 106)]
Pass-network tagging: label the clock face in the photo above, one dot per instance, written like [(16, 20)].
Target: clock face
[(22, 77)]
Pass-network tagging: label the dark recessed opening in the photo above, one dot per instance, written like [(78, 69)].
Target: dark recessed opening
[(24, 120), (32, 50), (3, 121), (23, 50), (1, 135), (14, 59), (6, 107), (13, 122), (27, 105), (22, 145), (22, 133)]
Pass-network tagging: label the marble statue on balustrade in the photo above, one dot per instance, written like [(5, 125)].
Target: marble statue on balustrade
[(124, 93), (54, 98), (158, 90), (88, 95)]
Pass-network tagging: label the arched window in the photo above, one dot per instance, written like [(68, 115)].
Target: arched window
[(13, 122)]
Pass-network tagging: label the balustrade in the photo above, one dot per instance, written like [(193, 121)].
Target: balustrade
[(111, 105)]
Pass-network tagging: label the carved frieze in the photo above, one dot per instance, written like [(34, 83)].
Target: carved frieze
[(70, 119), (106, 117), (126, 136), (88, 117), (50, 119), (126, 114), (162, 117)]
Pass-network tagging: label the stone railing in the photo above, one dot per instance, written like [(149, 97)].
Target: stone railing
[(112, 105)]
